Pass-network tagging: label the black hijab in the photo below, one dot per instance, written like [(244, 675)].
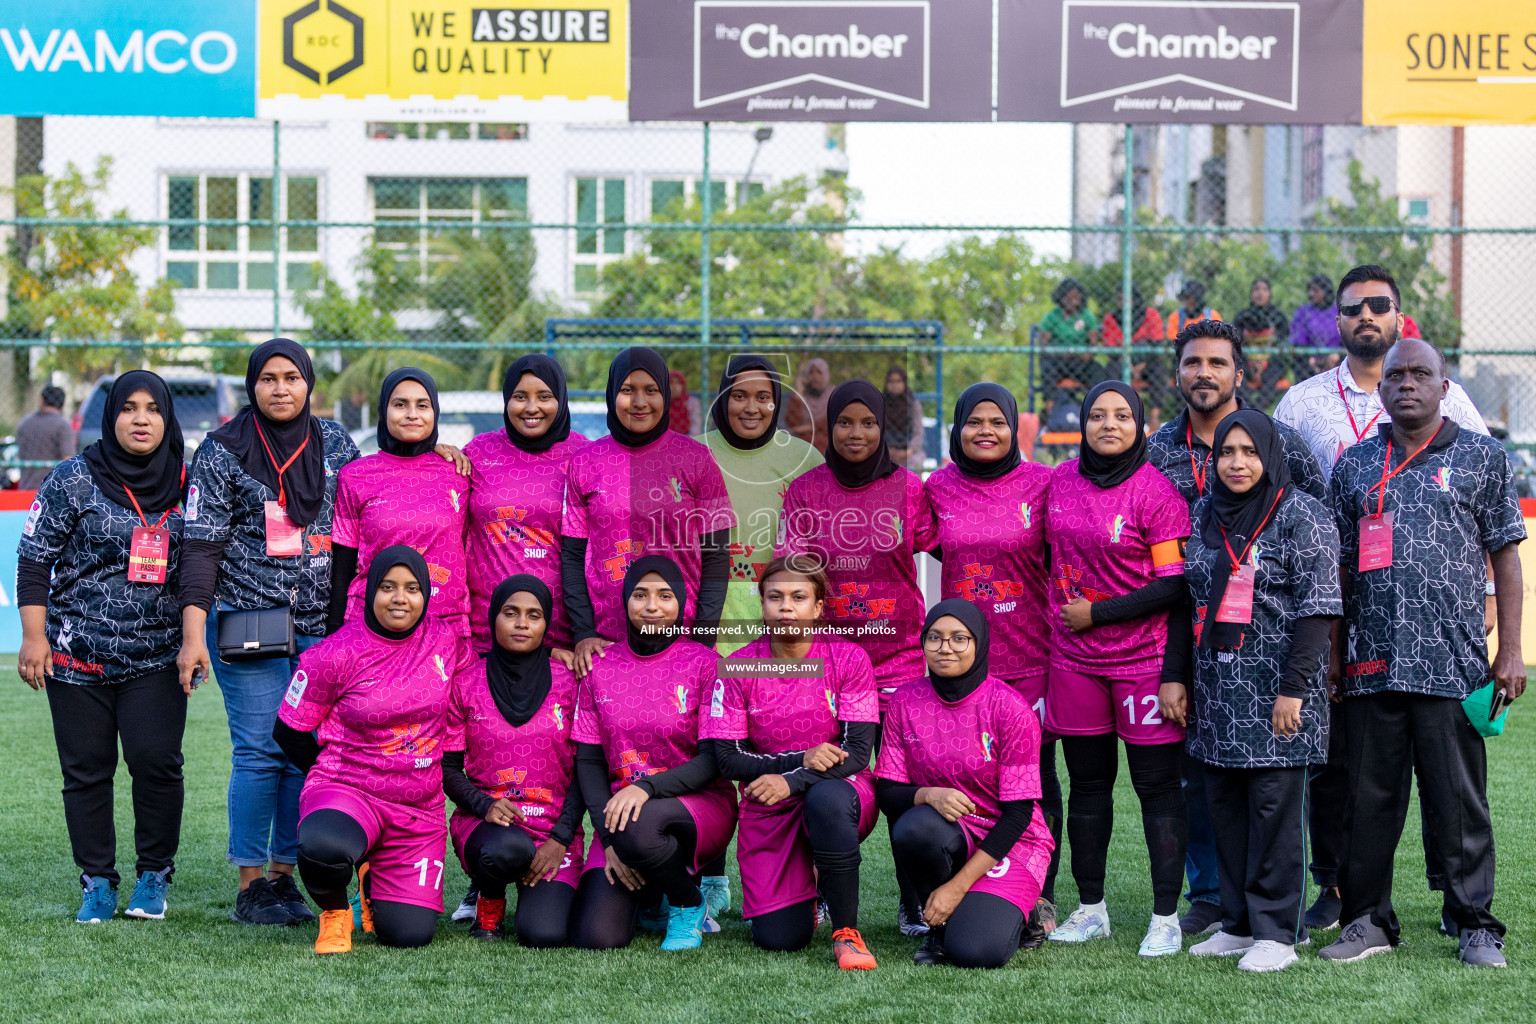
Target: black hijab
[(645, 644), (1112, 470), (518, 682), (548, 371), (389, 442), (303, 484), (966, 404), (157, 480), (879, 465), (953, 688), (626, 362), (718, 414), (396, 554), (1239, 515)]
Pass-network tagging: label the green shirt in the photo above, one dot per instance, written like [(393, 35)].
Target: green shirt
[(756, 481), (1066, 330)]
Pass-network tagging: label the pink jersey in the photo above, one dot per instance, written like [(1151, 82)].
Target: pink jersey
[(992, 533), (383, 499), (661, 499), (644, 711), (867, 539), (778, 714), (380, 708), (1101, 546), (514, 525), (534, 764)]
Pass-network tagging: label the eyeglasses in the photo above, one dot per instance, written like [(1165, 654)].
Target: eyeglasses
[(956, 643), (1380, 304)]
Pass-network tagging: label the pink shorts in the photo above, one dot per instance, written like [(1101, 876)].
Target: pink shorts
[(1033, 690), (1018, 877), (460, 825), (1091, 705), (406, 845), (775, 855), (714, 818)]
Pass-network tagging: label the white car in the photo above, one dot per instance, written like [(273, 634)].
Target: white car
[(463, 414)]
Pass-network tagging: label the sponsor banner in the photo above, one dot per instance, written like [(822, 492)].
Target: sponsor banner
[(1429, 62), (193, 58), (812, 60), (563, 60), (1179, 61)]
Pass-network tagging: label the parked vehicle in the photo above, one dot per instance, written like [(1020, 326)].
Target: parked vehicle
[(203, 403), (463, 414)]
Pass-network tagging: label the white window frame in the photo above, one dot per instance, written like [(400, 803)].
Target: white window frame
[(242, 255), (422, 247), (599, 259)]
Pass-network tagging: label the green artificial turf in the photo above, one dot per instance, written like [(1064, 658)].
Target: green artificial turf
[(197, 966)]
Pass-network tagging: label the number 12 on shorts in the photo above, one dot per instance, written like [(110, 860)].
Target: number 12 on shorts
[(1150, 718), (423, 866)]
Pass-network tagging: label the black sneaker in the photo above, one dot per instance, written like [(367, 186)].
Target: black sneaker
[(931, 952), (1324, 913), (293, 900), (1203, 917), (466, 909), (1038, 924), (259, 904), (909, 920)]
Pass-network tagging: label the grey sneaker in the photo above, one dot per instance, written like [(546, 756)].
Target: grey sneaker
[(1222, 944), (1481, 948), (1268, 955), (1361, 938)]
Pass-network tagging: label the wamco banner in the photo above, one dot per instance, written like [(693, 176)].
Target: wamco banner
[(812, 60), (1179, 61), (191, 58), (1429, 62), (563, 60)]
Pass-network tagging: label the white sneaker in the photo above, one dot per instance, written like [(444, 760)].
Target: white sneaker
[(1164, 938), (1268, 955), (1222, 944), (1088, 921)]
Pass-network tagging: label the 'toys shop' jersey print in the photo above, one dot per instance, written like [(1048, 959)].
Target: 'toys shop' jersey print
[(383, 499), (379, 709), (662, 499), (227, 506), (1187, 469), (1416, 626), (1296, 562), (102, 628), (514, 525), (1101, 547), (992, 533)]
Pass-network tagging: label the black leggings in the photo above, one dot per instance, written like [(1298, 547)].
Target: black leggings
[(499, 856), (1050, 807), (984, 929), (331, 845), (832, 826), (1092, 764), (660, 846)]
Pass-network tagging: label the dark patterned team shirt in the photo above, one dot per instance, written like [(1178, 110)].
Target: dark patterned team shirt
[(102, 628), (1296, 562), (1168, 449), (226, 505), (1416, 626)]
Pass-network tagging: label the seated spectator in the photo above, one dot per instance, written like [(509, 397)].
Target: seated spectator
[(1071, 323), (1264, 326), (1315, 325)]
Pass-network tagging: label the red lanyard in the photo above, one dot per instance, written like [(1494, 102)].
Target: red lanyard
[(1338, 379), (165, 515), (1236, 561), (282, 497), (1385, 476), (1198, 471)]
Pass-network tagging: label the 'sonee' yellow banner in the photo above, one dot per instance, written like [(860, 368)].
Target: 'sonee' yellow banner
[(1432, 62), (563, 60)]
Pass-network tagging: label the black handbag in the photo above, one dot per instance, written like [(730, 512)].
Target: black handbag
[(252, 635)]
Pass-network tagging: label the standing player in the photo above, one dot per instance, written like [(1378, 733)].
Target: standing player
[(800, 746), (658, 805), (375, 696), (1116, 528), (510, 769), (989, 520), (958, 773), (403, 494)]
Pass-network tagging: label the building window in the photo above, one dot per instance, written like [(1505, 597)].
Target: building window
[(491, 131), (1416, 209), (723, 196), (238, 257), (597, 201), (1311, 163), (402, 207)]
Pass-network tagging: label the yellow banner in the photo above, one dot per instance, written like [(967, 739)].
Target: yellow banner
[(1432, 62), (385, 53)]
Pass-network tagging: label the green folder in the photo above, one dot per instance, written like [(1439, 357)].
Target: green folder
[(1477, 705)]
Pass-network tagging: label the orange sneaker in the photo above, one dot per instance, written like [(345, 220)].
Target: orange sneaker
[(364, 905), (852, 955), (335, 932), (489, 918)]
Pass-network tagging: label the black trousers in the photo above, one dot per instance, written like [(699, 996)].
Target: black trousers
[(1259, 820), (331, 845), (1391, 735), (499, 856), (659, 845), (1328, 803), (149, 715)]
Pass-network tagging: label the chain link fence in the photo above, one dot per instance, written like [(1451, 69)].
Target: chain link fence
[(456, 246)]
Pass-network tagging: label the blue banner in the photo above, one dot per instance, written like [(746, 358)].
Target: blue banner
[(191, 58)]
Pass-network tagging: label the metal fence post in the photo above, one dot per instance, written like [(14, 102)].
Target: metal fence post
[(1127, 329), (277, 233), (705, 259)]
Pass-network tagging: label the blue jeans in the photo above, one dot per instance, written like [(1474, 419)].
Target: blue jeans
[(263, 784), (1200, 855)]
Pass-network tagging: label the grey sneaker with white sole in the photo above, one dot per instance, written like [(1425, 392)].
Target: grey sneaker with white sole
[(1361, 938), (1222, 944), (1268, 955), (1482, 948)]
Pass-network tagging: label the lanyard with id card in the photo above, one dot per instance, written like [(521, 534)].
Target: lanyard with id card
[(1376, 528), (149, 548), (1237, 599), (285, 538)]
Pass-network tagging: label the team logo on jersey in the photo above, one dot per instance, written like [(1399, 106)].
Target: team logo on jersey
[(296, 687), (717, 700), (191, 508), (407, 739), (978, 586), (1070, 583), (1026, 514), (680, 699), (1115, 529), (852, 601), (453, 496), (628, 551), (33, 515), (558, 714), (1443, 478), (831, 702), (987, 740), (635, 765), (510, 787), (442, 666), (676, 488)]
